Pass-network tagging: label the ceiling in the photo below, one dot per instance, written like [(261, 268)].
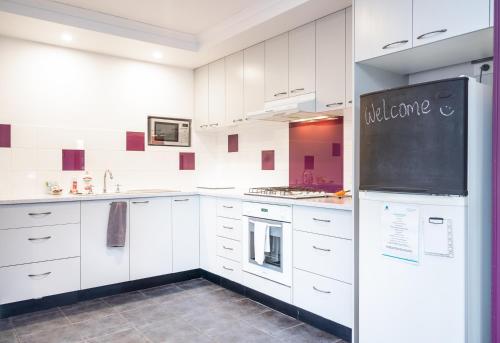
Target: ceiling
[(185, 33)]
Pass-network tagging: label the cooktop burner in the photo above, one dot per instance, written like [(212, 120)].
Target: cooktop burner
[(287, 192)]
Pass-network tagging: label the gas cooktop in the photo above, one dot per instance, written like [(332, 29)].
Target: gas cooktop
[(287, 192)]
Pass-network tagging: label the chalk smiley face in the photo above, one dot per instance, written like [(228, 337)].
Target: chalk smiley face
[(446, 110)]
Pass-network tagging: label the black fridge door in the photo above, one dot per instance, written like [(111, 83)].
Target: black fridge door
[(414, 139)]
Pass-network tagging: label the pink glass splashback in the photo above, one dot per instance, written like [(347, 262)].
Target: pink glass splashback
[(5, 136), (135, 141), (316, 154)]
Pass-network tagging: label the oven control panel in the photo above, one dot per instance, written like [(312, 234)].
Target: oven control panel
[(282, 213)]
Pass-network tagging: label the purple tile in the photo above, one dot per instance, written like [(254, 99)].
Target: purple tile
[(336, 149), (5, 136), (232, 143), (73, 159), (267, 159), (135, 141), (186, 161), (309, 162)]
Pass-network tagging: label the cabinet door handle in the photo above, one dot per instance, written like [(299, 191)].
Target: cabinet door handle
[(322, 220), (227, 268), (214, 124), (39, 238), (334, 104), (228, 227), (227, 248), (350, 101), (39, 276), (181, 199), (395, 44), (280, 93), (321, 291), (225, 206), (432, 33), (140, 202), (39, 213), (296, 90), (322, 249), (237, 120), (202, 126)]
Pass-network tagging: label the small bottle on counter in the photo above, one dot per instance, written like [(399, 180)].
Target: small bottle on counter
[(74, 186)]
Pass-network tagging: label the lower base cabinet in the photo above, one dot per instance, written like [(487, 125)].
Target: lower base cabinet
[(37, 280), (101, 265), (229, 269), (185, 233)]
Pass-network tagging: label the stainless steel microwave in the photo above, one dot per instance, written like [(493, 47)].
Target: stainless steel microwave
[(169, 131)]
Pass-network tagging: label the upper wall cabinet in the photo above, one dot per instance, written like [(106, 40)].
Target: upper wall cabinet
[(201, 97), (217, 93), (302, 45), (439, 19), (349, 66), (382, 27), (276, 66), (331, 62), (234, 88), (253, 78)]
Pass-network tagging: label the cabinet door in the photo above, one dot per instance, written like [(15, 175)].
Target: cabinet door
[(185, 233), (201, 97), (349, 63), (208, 224), (276, 67), (302, 45), (330, 62), (101, 265), (216, 93), (253, 78), (382, 27), (434, 20), (234, 88), (150, 237)]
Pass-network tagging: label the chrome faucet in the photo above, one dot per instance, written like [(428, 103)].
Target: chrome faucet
[(107, 172)]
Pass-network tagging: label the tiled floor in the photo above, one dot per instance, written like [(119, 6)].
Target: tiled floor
[(191, 311)]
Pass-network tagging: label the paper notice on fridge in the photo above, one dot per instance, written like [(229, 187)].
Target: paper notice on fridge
[(400, 231)]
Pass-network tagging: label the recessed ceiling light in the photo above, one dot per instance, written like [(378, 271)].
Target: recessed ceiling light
[(158, 55), (66, 37)]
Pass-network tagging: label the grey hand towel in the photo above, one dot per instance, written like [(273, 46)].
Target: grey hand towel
[(117, 224)]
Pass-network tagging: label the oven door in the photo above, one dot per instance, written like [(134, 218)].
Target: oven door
[(277, 264)]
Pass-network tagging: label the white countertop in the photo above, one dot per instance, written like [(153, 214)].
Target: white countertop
[(326, 202)]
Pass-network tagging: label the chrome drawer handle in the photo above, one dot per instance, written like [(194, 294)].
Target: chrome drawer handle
[(40, 238), (296, 90), (321, 291), (181, 199), (322, 220), (39, 276), (237, 120), (432, 33), (228, 227), (40, 214), (140, 202), (227, 268), (227, 248), (214, 124), (395, 44), (334, 104), (322, 249), (280, 93), (225, 206)]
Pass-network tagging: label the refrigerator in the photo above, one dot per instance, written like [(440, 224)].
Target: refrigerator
[(425, 213)]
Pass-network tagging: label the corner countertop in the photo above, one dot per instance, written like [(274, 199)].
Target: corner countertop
[(326, 202)]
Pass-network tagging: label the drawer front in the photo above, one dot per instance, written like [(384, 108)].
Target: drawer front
[(229, 228), (229, 269), (31, 215), (325, 297), (229, 208), (328, 256), (229, 249), (36, 280), (337, 223), (18, 246)]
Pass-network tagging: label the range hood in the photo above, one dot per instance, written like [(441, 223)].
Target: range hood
[(296, 108)]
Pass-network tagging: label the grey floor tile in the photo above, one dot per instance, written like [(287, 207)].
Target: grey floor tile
[(8, 336), (149, 314), (128, 301), (185, 306), (86, 310), (102, 326), (172, 330), (241, 333), (306, 334), (272, 321), (218, 297), (242, 309), (163, 293), (64, 334), (210, 322), (123, 336), (39, 321), (197, 286)]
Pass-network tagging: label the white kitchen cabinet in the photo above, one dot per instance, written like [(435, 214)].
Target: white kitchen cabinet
[(253, 78), (185, 233), (150, 237), (234, 88), (323, 221), (302, 64), (492, 12), (434, 20), (349, 63), (217, 93), (276, 67), (44, 214), (382, 27), (201, 97), (101, 265), (331, 62), (208, 223)]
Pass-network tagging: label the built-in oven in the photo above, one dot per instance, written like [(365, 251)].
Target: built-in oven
[(169, 131), (267, 241)]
